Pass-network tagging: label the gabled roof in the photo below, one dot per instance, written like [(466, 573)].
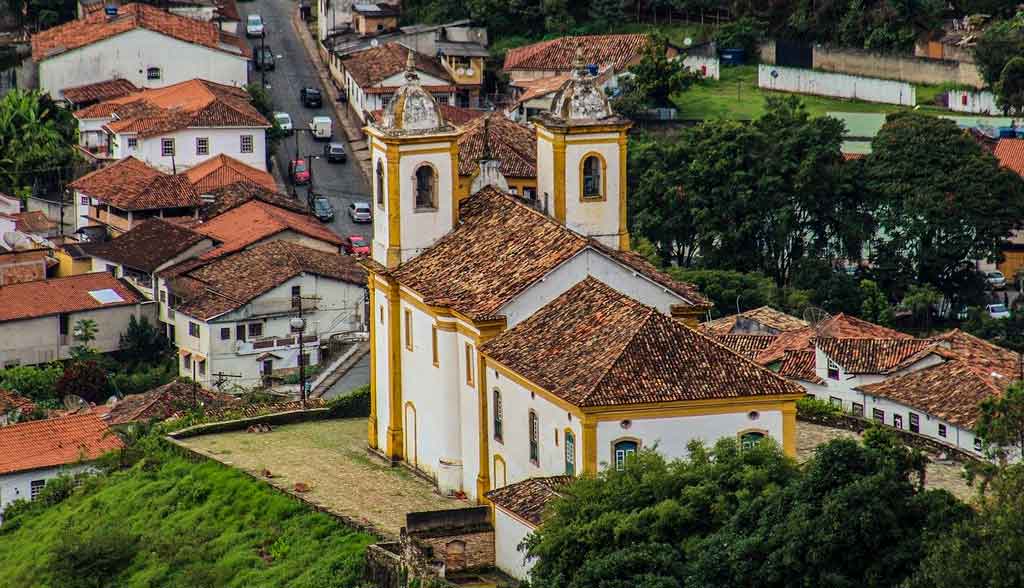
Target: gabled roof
[(838, 327), (594, 346), (257, 220), (163, 402), (1010, 153), (97, 27), (222, 170), (875, 356), (372, 66), (99, 91), (236, 194), (982, 354), (147, 246), (54, 442), (34, 221), (559, 54), (529, 498), (539, 87), (62, 295), (193, 103), (233, 281), (130, 184), (800, 365), (9, 401), (499, 248), (748, 346), (515, 145), (764, 315)]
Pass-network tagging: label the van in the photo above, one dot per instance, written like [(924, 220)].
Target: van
[(321, 127)]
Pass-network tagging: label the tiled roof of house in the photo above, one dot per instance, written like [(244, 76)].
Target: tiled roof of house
[(147, 246), (594, 346), (97, 27), (256, 220), (839, 327), (234, 195), (452, 114), (799, 365), (748, 346), (559, 54), (765, 315), (34, 221), (501, 247), (99, 91), (193, 103), (61, 295), (982, 354), (164, 402), (539, 87), (853, 156), (1010, 153), (515, 145), (374, 65), (130, 184), (529, 498), (875, 356), (9, 401), (222, 170), (233, 281), (54, 442)]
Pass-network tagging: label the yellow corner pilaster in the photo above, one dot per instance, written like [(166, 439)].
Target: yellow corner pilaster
[(394, 253), (395, 441), (789, 428), (371, 426), (558, 149), (483, 478), (589, 447), (623, 209), (456, 183)]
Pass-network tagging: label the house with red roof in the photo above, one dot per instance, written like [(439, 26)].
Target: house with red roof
[(35, 452)]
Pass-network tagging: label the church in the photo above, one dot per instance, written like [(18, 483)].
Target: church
[(516, 339)]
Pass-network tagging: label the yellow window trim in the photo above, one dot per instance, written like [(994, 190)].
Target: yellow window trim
[(603, 190)]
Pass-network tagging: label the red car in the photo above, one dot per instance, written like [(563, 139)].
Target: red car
[(356, 245), (299, 171)]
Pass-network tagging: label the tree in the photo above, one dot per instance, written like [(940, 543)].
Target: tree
[(1010, 88), (729, 291), (142, 342), (34, 381), (875, 308), (659, 209), (37, 141), (1001, 42), (1001, 422), (85, 379), (84, 333), (606, 14), (920, 300), (656, 77)]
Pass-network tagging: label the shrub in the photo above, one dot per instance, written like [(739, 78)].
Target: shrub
[(356, 404), (85, 379), (36, 382), (92, 557), (809, 407)]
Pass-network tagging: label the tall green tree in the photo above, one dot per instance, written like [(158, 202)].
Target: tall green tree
[(1001, 422), (729, 291), (656, 77), (37, 140), (876, 307), (606, 14), (143, 342), (1001, 42), (1010, 88)]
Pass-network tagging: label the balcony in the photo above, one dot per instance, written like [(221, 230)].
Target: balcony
[(266, 344)]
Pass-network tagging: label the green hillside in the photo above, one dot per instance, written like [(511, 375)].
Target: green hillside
[(170, 523)]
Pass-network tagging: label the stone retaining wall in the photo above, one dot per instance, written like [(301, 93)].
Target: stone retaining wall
[(920, 442)]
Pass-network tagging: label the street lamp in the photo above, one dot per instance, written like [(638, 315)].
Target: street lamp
[(298, 324)]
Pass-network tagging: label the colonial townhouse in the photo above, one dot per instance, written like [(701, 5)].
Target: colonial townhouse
[(176, 127), (223, 13), (494, 143), (235, 314), (142, 44), (556, 57)]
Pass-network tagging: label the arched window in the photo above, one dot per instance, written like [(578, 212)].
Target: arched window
[(153, 73), (425, 187), (534, 439), (380, 184), (623, 450), (498, 428), (592, 186), (750, 439), (570, 454)]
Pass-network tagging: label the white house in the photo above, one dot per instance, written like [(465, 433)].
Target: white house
[(176, 127), (372, 76), (519, 510), (233, 315), (37, 319), (34, 452), (144, 45)]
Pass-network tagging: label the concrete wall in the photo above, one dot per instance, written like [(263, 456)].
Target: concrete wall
[(806, 81), (709, 66), (18, 486), (509, 532), (982, 102)]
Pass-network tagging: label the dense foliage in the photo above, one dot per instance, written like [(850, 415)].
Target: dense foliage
[(37, 142), (653, 80), (1001, 42)]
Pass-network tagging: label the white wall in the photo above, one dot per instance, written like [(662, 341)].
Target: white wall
[(382, 340), (698, 63), (226, 141), (18, 486), (130, 54), (421, 229), (979, 102), (509, 532), (381, 226), (806, 81)]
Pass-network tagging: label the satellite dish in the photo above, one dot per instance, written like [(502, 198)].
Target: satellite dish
[(469, 71), (74, 403), (460, 71), (687, 41), (816, 317), (374, 42)]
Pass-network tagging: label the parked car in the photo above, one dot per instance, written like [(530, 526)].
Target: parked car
[(322, 128), (321, 207), (254, 26), (263, 58), (360, 212), (284, 120), (355, 245), (298, 171), (311, 97), (996, 280), (998, 311), (335, 152)]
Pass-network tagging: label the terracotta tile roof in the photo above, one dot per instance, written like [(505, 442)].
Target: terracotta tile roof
[(501, 247), (130, 184), (748, 346), (875, 356), (539, 87), (799, 365), (528, 499), (1010, 153), (233, 281), (950, 391), (559, 54), (515, 145), (148, 245), (764, 315), (54, 442), (981, 354), (99, 91), (839, 327), (452, 114), (34, 221), (241, 410), (164, 402), (97, 27), (222, 170), (9, 401), (594, 346), (372, 66), (853, 156), (193, 103), (234, 195), (256, 220), (60, 295)]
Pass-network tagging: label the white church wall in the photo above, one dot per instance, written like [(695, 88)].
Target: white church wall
[(509, 532), (469, 406), (382, 316), (599, 218), (380, 226), (421, 228)]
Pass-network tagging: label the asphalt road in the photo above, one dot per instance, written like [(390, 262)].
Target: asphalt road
[(342, 183)]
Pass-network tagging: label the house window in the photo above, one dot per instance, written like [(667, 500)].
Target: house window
[(153, 73), (112, 269), (915, 422), (225, 333), (166, 147), (858, 409), (193, 329), (833, 370), (163, 296), (408, 330), (750, 439), (64, 326), (592, 177), (498, 418), (187, 362), (534, 439), (977, 444), (35, 487), (897, 421), (433, 343), (836, 402), (878, 415), (240, 332), (570, 454), (84, 200), (530, 193), (441, 98), (942, 430), (202, 146), (133, 143), (202, 368), (622, 451), (296, 296), (268, 367), (380, 184), (469, 364), (382, 314), (255, 329), (246, 143), (425, 184)]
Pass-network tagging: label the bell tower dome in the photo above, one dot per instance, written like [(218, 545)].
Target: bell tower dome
[(414, 162), (581, 157)]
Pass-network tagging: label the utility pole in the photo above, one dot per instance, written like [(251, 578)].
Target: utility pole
[(263, 64), (222, 379), (299, 324)]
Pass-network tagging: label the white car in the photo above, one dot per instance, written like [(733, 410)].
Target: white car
[(284, 120), (998, 311), (254, 26), (321, 127)]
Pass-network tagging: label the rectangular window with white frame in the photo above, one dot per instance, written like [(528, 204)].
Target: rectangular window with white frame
[(247, 144), (133, 143), (167, 147), (833, 370), (202, 145), (942, 430), (35, 487)]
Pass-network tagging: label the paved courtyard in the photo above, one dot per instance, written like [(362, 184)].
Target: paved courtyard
[(330, 457)]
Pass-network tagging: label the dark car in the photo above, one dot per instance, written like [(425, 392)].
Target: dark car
[(311, 97), (263, 58), (321, 208), (335, 153)]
